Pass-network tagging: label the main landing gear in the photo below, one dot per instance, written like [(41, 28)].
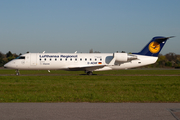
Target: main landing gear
[(89, 72), (17, 72)]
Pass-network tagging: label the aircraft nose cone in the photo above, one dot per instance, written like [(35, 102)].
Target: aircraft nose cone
[(10, 65), (6, 66)]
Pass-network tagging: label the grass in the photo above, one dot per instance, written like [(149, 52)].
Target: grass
[(106, 86), (114, 72)]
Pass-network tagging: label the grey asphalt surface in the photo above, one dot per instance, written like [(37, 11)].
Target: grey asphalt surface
[(89, 111)]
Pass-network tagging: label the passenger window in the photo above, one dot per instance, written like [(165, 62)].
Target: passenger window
[(90, 59), (45, 59), (50, 59), (40, 59), (61, 59), (76, 59), (85, 59), (100, 59), (71, 59), (95, 59), (80, 59), (55, 59), (66, 59)]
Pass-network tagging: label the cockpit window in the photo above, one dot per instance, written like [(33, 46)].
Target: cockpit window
[(21, 57)]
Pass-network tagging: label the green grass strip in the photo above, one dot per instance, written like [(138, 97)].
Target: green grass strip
[(83, 88)]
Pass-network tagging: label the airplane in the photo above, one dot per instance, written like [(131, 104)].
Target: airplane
[(89, 62)]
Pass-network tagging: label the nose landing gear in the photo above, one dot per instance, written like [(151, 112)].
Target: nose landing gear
[(17, 72)]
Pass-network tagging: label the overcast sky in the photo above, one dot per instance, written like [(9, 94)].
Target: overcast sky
[(80, 25)]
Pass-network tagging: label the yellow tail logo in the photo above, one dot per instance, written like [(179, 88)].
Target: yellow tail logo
[(154, 47)]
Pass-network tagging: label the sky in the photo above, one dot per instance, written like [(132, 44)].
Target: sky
[(106, 26)]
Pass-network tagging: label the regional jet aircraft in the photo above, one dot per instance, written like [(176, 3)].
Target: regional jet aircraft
[(89, 62)]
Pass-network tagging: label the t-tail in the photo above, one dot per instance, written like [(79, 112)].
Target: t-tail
[(154, 47)]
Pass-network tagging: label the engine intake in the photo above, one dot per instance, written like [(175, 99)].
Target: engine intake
[(121, 57)]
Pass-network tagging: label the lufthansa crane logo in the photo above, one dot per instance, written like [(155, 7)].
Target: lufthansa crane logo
[(154, 47)]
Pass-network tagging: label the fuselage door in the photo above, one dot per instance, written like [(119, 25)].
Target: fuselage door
[(33, 59)]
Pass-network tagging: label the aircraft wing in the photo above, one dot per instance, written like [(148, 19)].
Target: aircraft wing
[(87, 68)]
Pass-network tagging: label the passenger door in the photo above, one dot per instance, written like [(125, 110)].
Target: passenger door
[(33, 59)]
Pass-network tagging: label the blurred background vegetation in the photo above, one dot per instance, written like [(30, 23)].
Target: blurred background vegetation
[(4, 58), (171, 60)]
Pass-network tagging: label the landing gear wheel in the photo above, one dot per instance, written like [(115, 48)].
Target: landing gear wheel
[(89, 73), (17, 72)]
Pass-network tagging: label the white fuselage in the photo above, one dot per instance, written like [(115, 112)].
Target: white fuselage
[(89, 62), (78, 61)]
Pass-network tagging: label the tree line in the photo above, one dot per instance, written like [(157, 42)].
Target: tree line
[(4, 58), (170, 60)]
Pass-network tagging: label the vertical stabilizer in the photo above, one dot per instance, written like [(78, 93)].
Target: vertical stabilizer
[(154, 47)]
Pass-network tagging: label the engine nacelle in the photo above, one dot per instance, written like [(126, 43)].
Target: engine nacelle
[(121, 57)]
